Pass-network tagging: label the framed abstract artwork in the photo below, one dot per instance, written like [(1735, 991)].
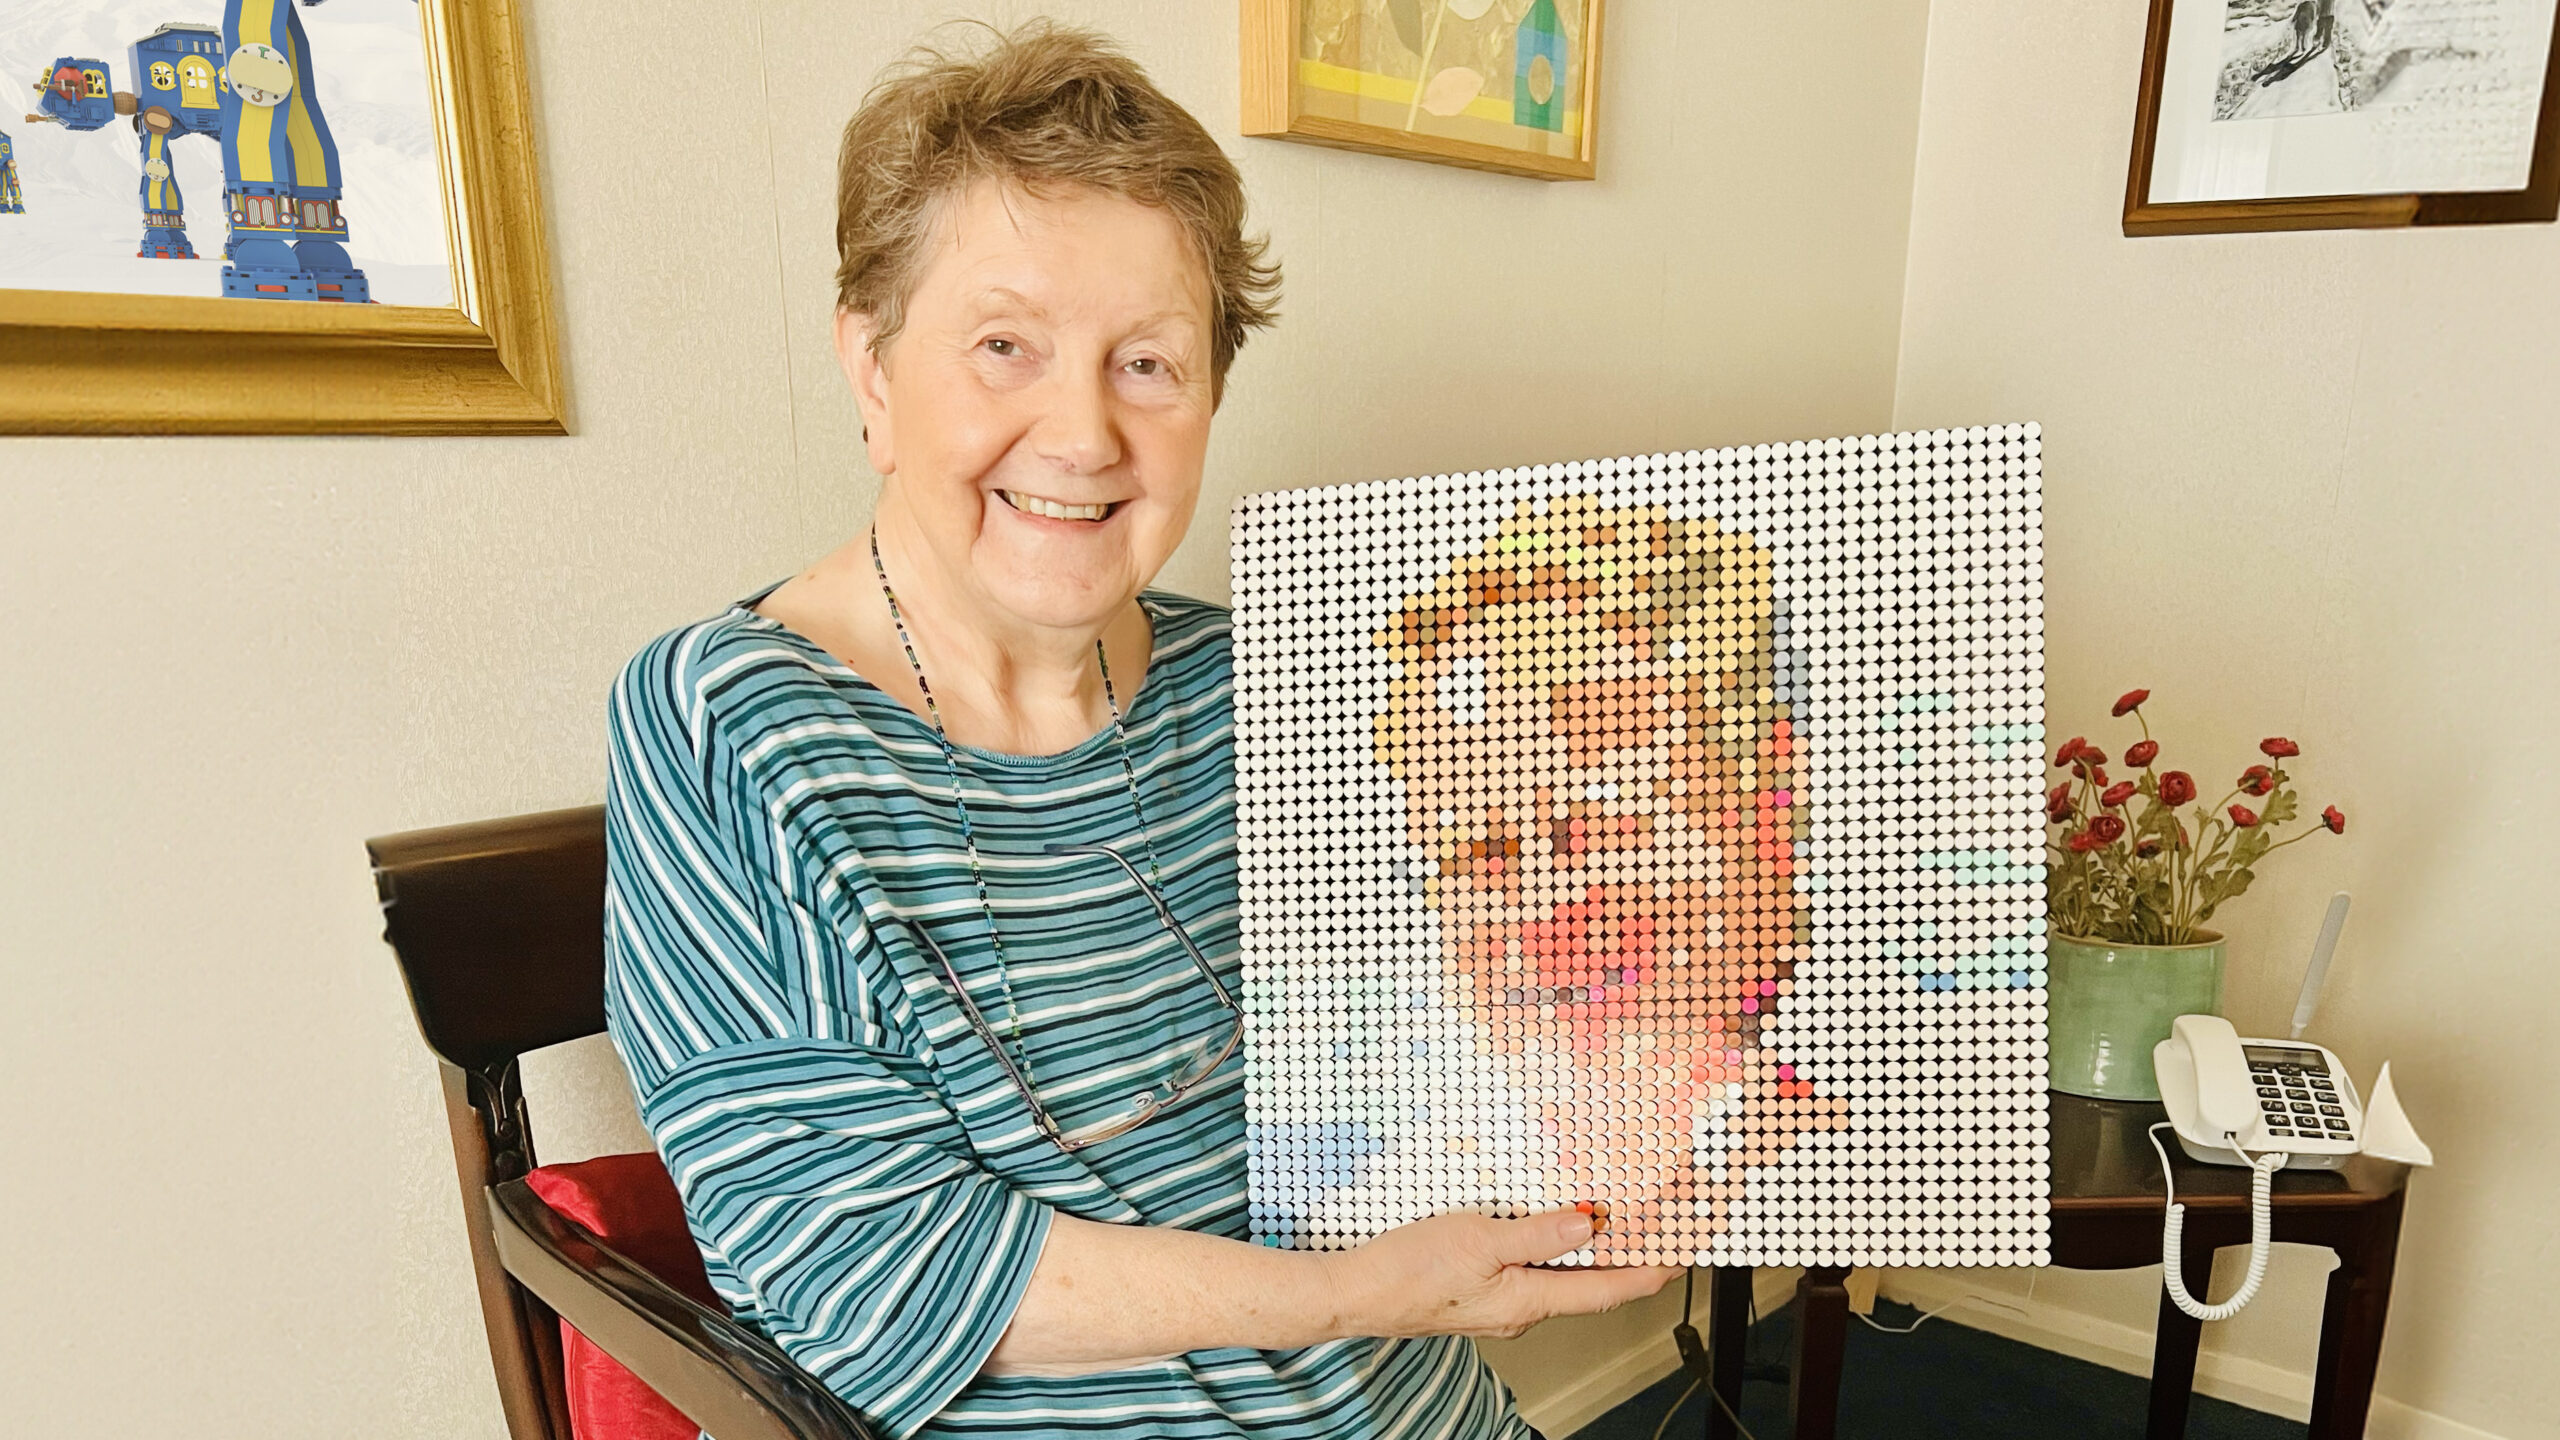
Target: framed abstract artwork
[(1505, 85), (2330, 114), (276, 220), (1659, 833)]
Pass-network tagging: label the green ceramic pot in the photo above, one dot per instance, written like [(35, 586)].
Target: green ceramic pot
[(2109, 1004)]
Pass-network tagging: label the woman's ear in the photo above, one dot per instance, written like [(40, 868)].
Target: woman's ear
[(870, 381)]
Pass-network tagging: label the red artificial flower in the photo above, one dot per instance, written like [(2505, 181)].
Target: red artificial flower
[(2257, 780), (2243, 816), (2276, 747), (2117, 794), (2335, 819), (2147, 846), (2057, 805), (2177, 788), (2092, 755), (2069, 752), (2130, 701), (2108, 828), (2085, 841), (2141, 753)]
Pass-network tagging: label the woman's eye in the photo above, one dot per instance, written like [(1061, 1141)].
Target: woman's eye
[(998, 345), (1146, 365)]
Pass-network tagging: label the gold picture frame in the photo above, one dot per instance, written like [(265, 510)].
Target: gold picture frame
[(1289, 94), (74, 363)]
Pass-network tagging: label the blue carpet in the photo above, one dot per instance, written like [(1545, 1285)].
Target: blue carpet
[(1941, 1382)]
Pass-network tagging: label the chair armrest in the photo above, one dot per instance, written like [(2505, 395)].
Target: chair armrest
[(726, 1378)]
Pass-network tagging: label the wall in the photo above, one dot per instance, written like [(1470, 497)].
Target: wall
[(2299, 485), (228, 1191)]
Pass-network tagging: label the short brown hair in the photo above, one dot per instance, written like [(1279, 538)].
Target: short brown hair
[(1045, 104)]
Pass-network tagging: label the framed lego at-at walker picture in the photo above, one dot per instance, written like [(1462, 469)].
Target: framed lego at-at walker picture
[(270, 216), (1504, 85)]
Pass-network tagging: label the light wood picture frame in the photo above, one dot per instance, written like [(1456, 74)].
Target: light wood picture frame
[(74, 362), (2259, 115), (1427, 80)]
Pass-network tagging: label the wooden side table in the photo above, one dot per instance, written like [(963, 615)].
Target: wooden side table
[(2107, 1209)]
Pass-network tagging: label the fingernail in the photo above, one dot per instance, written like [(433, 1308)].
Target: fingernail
[(1578, 1229)]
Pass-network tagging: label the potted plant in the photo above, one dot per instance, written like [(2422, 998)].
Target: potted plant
[(2130, 886)]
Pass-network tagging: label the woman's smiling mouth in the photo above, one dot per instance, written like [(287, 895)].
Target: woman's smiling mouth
[(1054, 510)]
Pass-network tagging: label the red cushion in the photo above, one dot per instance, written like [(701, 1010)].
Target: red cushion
[(631, 1205)]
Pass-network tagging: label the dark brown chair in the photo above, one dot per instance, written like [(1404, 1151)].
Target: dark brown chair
[(499, 930)]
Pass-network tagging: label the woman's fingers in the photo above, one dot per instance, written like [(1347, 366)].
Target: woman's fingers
[(1584, 1292), (1470, 1275), (1536, 1239)]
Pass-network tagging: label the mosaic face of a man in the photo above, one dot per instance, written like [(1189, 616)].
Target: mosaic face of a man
[(1597, 756)]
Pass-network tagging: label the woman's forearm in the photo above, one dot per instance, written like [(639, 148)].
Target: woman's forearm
[(1106, 1296)]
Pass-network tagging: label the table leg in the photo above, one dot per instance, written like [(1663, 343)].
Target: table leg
[(2351, 1326), (1822, 1330), (1728, 1333), (2173, 1346)]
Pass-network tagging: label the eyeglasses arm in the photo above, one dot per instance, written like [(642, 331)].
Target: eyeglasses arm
[(1164, 912)]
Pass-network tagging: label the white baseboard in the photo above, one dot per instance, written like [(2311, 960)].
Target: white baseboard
[(2253, 1383), (1612, 1380)]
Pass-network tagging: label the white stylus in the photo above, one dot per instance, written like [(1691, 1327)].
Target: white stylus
[(2317, 977)]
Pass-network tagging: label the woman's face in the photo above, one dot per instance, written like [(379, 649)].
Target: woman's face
[(1044, 411), (1593, 756)]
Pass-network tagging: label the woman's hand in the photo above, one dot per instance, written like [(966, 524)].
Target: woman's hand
[(1104, 1297), (1469, 1275)]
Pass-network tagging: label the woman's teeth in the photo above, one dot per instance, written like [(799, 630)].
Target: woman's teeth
[(1034, 505)]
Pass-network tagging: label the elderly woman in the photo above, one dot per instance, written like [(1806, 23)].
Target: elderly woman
[(922, 903)]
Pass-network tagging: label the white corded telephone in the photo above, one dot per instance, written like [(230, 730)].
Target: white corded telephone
[(2290, 1101)]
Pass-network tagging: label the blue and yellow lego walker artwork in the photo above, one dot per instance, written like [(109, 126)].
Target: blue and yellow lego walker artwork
[(249, 86)]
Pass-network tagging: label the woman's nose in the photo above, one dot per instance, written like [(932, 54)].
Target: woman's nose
[(1077, 431)]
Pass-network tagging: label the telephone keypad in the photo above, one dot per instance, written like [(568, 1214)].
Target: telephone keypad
[(2298, 1100)]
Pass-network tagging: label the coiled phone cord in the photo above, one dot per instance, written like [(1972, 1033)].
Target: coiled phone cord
[(2262, 1172)]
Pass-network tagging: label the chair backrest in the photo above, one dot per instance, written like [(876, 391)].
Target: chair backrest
[(499, 926), (499, 930)]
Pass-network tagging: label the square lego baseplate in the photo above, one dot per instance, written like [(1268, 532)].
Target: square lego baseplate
[(1662, 833)]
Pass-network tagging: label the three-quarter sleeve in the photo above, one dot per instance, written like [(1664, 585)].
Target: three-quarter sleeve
[(837, 1201)]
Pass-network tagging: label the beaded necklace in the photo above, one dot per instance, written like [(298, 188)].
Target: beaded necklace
[(960, 801)]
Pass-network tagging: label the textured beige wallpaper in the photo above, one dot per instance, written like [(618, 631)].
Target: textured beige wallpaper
[(2300, 485), (229, 1203)]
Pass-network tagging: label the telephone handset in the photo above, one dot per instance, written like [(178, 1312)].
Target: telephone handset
[(2204, 1072)]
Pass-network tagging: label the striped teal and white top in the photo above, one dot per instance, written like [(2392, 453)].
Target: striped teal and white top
[(867, 1187)]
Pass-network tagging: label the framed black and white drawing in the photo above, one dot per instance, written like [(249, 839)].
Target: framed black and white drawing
[(2328, 114)]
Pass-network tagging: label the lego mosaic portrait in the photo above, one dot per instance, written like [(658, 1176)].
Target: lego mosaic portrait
[(1659, 833)]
